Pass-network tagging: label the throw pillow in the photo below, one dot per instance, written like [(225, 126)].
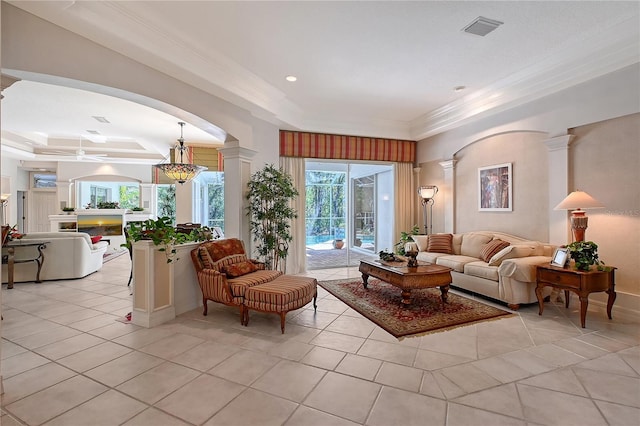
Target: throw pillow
[(510, 252), (239, 269), (440, 243), (422, 241), (491, 248), (96, 239)]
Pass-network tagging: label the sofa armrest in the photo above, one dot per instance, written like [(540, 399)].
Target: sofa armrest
[(214, 285), (522, 268)]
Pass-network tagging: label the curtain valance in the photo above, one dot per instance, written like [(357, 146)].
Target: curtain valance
[(340, 147)]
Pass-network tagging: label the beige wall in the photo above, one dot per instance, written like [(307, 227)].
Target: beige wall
[(605, 163), (528, 157)]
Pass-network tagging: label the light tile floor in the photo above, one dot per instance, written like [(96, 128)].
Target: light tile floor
[(66, 360)]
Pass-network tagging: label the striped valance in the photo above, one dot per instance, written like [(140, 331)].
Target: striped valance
[(340, 147), (211, 158)]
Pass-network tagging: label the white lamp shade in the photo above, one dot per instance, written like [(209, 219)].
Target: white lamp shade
[(411, 247), (428, 192), (579, 200)]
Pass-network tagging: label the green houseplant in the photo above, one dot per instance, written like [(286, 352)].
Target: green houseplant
[(162, 232), (108, 205), (270, 213), (68, 210), (405, 237), (585, 254)]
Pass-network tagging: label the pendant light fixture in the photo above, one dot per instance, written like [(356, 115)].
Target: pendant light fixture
[(180, 171)]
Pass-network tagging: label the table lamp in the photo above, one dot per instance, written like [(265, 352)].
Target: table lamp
[(411, 251), (576, 201)]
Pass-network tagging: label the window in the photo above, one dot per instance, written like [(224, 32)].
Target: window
[(166, 201), (91, 193)]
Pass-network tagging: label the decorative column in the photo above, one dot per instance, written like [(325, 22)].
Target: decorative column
[(148, 198), (448, 195), (558, 187), (66, 195), (184, 204), (237, 173), (162, 290)]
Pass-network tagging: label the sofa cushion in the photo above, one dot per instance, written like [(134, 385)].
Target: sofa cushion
[(491, 248), (511, 252), (238, 269), (455, 262), (440, 243), (473, 242), (422, 241), (481, 270), (429, 257)]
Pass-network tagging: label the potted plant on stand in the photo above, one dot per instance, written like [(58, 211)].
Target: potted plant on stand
[(270, 213)]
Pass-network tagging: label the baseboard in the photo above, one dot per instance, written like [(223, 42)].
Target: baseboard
[(626, 306)]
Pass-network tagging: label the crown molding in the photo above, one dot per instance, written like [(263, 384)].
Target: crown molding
[(568, 67)]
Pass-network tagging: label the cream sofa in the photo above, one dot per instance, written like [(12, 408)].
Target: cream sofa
[(67, 255), (509, 276)]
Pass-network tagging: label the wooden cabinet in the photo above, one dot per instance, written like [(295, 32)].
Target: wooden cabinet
[(580, 282)]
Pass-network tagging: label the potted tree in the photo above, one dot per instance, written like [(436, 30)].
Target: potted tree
[(270, 213)]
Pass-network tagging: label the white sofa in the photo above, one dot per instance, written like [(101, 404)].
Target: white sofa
[(509, 276), (67, 255)]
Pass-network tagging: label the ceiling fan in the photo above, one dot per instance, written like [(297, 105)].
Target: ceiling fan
[(79, 154)]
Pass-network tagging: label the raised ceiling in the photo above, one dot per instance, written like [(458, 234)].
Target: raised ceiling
[(383, 68)]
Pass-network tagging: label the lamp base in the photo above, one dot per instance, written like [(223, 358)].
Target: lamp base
[(579, 222), (412, 262)]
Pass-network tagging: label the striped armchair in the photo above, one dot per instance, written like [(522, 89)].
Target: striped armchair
[(225, 272)]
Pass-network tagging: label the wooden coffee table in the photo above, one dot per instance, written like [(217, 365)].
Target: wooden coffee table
[(425, 275)]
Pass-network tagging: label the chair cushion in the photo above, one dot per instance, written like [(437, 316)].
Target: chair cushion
[(239, 285), (238, 269), (440, 243), (491, 248)]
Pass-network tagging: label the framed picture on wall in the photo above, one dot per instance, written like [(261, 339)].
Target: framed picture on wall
[(495, 188)]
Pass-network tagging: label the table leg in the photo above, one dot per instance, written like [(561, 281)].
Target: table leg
[(406, 297), (567, 296), (611, 292), (10, 265), (540, 299), (584, 303), (40, 261), (365, 277), (444, 291), (610, 300)]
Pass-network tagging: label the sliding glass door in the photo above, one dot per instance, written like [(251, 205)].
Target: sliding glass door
[(345, 203)]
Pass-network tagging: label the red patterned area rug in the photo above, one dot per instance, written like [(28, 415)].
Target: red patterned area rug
[(381, 303)]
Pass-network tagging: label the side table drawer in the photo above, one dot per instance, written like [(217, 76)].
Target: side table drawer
[(558, 277)]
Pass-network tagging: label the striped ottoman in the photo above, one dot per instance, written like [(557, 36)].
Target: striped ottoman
[(283, 294)]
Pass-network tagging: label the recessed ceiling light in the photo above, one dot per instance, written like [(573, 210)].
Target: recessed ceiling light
[(291, 78), (459, 88)]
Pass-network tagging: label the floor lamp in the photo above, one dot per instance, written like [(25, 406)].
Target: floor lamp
[(427, 193)]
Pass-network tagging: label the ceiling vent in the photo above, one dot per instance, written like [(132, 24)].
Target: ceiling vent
[(100, 119), (482, 26)]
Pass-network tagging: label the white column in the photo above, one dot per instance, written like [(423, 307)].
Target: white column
[(416, 214), (65, 197), (237, 173), (148, 197), (162, 290), (558, 187), (448, 197), (184, 206)]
